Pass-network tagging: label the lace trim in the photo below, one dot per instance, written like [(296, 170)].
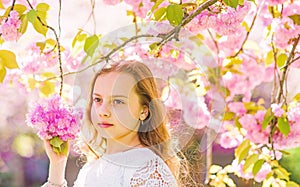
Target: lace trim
[(154, 174)]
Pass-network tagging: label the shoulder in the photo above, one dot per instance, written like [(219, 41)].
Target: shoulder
[(154, 172)]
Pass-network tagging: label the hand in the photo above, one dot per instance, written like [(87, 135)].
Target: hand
[(57, 165), (54, 157)]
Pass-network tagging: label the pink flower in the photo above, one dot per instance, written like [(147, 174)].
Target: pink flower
[(51, 118), (231, 139), (284, 31), (10, 27), (237, 107), (277, 110), (254, 129), (111, 2), (263, 172)]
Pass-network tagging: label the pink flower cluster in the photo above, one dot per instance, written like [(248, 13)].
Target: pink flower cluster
[(260, 176), (9, 28), (293, 138), (36, 60), (224, 22), (140, 7), (252, 75), (284, 31), (253, 125), (52, 118), (111, 2)]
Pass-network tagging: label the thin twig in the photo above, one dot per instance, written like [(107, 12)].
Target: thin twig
[(285, 68), (59, 18), (58, 49), (215, 43), (247, 35)]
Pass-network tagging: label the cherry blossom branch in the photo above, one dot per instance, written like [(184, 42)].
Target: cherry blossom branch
[(285, 69), (216, 45), (247, 35), (58, 48), (172, 34)]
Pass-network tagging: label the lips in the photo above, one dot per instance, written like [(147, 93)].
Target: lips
[(105, 125)]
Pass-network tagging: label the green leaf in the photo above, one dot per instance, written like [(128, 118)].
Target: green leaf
[(297, 97), (8, 59), (157, 3), (2, 73), (241, 2), (242, 150), (153, 46), (295, 18), (267, 118), (228, 116), (43, 7), (78, 38), (56, 141), (269, 57), (282, 173), (17, 7), (231, 3), (24, 23), (90, 45), (292, 184), (257, 166), (174, 14), (47, 88), (32, 15), (250, 161), (1, 5), (244, 23), (283, 126), (39, 27), (281, 60), (160, 14), (64, 148)]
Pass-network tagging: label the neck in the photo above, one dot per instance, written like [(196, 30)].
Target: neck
[(123, 144)]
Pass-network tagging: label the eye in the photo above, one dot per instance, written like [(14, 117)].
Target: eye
[(117, 102), (97, 100)]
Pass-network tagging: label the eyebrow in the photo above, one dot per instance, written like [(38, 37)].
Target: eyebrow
[(96, 94)]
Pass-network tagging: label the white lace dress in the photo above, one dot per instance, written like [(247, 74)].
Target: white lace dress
[(133, 168)]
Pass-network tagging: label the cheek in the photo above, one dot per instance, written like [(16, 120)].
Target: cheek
[(126, 116)]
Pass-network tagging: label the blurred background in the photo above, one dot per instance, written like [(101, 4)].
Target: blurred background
[(22, 158)]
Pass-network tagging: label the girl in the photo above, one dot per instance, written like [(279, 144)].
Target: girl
[(125, 132)]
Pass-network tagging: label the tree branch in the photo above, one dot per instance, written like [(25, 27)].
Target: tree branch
[(58, 49), (285, 69), (172, 34)]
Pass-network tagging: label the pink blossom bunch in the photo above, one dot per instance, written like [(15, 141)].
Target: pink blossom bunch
[(224, 22), (260, 176), (140, 7), (196, 113), (52, 118), (36, 60), (111, 2), (284, 31), (274, 2), (231, 138), (73, 62), (293, 138), (253, 125), (9, 28), (252, 74), (277, 110)]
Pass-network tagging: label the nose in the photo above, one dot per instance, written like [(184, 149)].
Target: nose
[(104, 111)]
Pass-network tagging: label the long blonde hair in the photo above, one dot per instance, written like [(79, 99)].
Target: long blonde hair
[(153, 133)]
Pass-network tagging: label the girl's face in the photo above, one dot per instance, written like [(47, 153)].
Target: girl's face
[(116, 107)]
